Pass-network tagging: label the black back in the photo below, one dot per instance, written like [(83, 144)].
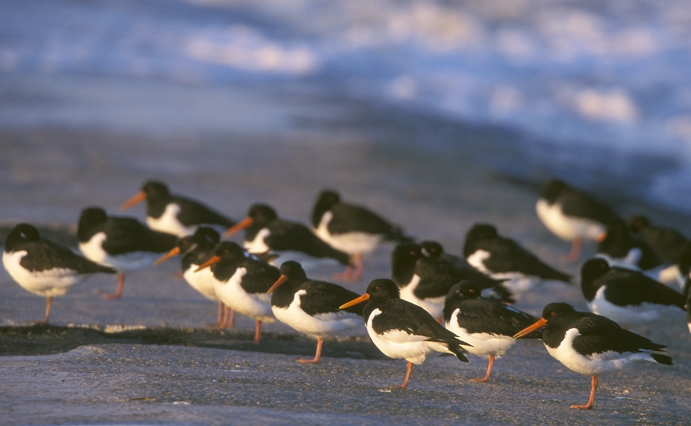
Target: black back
[(42, 255), (625, 287), (619, 242), (597, 333), (506, 255), (667, 242), (123, 234), (198, 247), (191, 212), (260, 275), (577, 203), (397, 314), (482, 315), (403, 259), (321, 297)]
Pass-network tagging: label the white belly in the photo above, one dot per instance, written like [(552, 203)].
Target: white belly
[(257, 306), (631, 315), (351, 242), (322, 325), (483, 344), (169, 223), (434, 306), (202, 281), (93, 250), (48, 283), (565, 227), (257, 245)]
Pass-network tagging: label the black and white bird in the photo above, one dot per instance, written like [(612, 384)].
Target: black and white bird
[(174, 214), (626, 296), (572, 214), (425, 281), (266, 233), (43, 267), (123, 243), (351, 229), (591, 344), (242, 281), (311, 306), (195, 250), (621, 248), (487, 324), (435, 250), (667, 242), (504, 259), (402, 330)]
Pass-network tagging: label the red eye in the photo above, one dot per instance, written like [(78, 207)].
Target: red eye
[(553, 313), (377, 288)]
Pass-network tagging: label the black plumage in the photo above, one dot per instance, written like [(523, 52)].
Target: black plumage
[(619, 242), (435, 250), (506, 255), (667, 242), (198, 247), (577, 203), (259, 277)]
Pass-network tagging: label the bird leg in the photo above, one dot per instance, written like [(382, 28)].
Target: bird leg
[(407, 377), (353, 271), (49, 304), (357, 259), (258, 331), (591, 401), (575, 253), (317, 356), (489, 370), (230, 318), (118, 291)]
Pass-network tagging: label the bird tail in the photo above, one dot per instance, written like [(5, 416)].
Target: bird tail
[(662, 359), (453, 345)]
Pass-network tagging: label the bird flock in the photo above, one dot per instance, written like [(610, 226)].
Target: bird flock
[(433, 302)]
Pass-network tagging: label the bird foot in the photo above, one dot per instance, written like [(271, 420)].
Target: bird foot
[(111, 296), (309, 361), (480, 380), (582, 406)]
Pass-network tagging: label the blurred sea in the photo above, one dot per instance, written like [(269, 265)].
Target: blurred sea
[(595, 89)]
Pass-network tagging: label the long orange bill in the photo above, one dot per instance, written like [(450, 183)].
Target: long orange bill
[(277, 284), (244, 223), (354, 302), (141, 196), (208, 263), (539, 324), (174, 252)]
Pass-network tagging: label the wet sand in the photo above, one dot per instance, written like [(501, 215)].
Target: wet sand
[(149, 357)]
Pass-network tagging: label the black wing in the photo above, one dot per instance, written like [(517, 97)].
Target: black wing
[(508, 256), (324, 297), (482, 315), (348, 218), (125, 235), (577, 203), (195, 213), (44, 255), (260, 276), (625, 288), (297, 237), (599, 334)]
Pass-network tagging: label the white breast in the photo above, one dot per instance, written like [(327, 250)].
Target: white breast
[(48, 283), (434, 306), (351, 242), (321, 325), (565, 227), (231, 293), (93, 250), (168, 222), (257, 245), (483, 344), (202, 281), (630, 315)]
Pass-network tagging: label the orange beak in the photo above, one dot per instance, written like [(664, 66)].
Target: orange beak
[(600, 238), (208, 263), (354, 302), (539, 324), (141, 196), (278, 283), (174, 252), (244, 223)]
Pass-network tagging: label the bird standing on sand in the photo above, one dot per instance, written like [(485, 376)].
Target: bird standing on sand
[(123, 243), (402, 330), (45, 268), (266, 233), (174, 214), (195, 250), (504, 259), (311, 306), (486, 324), (352, 229), (572, 214), (242, 281), (625, 296), (591, 344)]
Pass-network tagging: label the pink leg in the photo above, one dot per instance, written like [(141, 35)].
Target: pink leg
[(575, 251), (230, 318), (118, 291), (591, 400), (489, 370), (317, 356), (407, 377), (258, 331), (49, 304)]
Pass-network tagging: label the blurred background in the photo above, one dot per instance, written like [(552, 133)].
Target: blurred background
[(598, 93)]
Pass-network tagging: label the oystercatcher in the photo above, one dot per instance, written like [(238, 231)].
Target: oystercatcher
[(487, 324), (402, 330), (242, 282), (43, 267), (435, 250), (174, 214), (311, 306), (667, 242), (626, 296), (123, 243), (352, 229), (572, 215), (425, 281), (621, 248), (266, 233), (195, 250), (591, 344), (504, 259)]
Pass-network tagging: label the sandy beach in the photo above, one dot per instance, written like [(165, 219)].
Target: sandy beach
[(149, 358)]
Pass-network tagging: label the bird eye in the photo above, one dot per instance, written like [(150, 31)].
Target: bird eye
[(553, 313), (377, 288)]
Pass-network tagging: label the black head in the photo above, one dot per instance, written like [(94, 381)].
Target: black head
[(19, 234), (482, 231), (465, 289), (383, 289), (637, 222), (155, 189), (685, 259), (432, 248), (293, 270), (262, 214), (617, 234), (325, 201), (92, 216), (228, 250), (204, 233), (403, 259), (554, 312), (590, 272), (552, 190)]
